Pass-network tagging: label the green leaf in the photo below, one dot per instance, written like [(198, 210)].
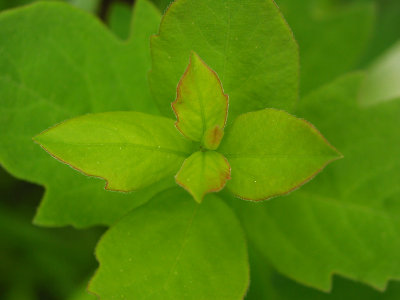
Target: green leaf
[(81, 293), (248, 44), (382, 82), (118, 19), (173, 248), (204, 172), (130, 150), (89, 5), (386, 31), (74, 66), (201, 107), (332, 37), (6, 4), (272, 153), (267, 283), (346, 221), (162, 4)]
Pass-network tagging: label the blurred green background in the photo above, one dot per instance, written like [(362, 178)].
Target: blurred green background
[(43, 263), (48, 263)]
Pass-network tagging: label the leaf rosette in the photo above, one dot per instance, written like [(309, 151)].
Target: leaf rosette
[(264, 154)]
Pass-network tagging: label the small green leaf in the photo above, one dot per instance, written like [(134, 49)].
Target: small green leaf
[(201, 107), (131, 150), (272, 153), (204, 172), (173, 248)]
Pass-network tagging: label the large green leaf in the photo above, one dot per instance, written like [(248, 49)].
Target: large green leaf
[(173, 248), (201, 107), (247, 43), (130, 150), (386, 31), (382, 82), (204, 172), (332, 37), (118, 19), (272, 152), (82, 294), (88, 5), (57, 62), (267, 284), (162, 4), (346, 221)]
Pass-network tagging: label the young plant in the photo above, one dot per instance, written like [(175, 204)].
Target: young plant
[(268, 152), (168, 243), (263, 154)]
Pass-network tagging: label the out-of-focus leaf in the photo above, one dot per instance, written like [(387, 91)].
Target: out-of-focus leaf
[(57, 62), (162, 4), (118, 19), (382, 82), (88, 5), (82, 293), (7, 4), (32, 257), (346, 221), (386, 31), (247, 43), (5, 179), (173, 248), (332, 38), (268, 284)]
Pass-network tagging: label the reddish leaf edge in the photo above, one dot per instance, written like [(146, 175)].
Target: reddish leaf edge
[(303, 182), (224, 180), (179, 96), (107, 185), (81, 171), (296, 187)]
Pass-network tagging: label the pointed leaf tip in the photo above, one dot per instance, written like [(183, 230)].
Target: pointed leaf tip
[(273, 153), (117, 146), (201, 107)]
